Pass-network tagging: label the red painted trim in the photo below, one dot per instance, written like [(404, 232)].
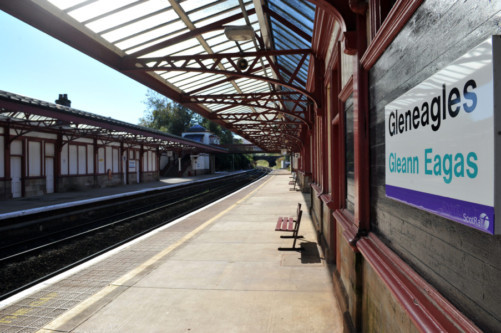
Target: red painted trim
[(6, 150), (326, 198), (347, 90), (333, 62), (350, 42), (23, 168), (350, 230), (317, 188), (394, 22), (338, 9), (361, 131), (426, 307), (335, 120)]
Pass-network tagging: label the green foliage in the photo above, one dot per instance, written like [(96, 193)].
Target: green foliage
[(170, 117), (166, 116), (224, 134), (262, 163)]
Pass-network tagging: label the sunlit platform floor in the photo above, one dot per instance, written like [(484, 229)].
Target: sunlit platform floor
[(216, 270)]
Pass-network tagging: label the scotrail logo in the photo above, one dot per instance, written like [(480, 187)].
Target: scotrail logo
[(482, 221)]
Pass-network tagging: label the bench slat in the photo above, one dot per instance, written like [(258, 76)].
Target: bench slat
[(284, 224), (279, 224)]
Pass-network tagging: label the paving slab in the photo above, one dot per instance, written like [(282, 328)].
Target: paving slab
[(225, 275)]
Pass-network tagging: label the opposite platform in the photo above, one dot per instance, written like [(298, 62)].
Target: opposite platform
[(217, 270), (46, 201)]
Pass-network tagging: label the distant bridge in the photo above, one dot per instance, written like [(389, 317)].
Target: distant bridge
[(271, 159), (252, 149), (242, 149)]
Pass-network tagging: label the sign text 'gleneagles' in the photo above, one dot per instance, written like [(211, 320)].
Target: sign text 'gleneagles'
[(440, 141)]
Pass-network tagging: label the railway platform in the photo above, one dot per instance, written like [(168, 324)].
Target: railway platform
[(217, 269), (22, 204)]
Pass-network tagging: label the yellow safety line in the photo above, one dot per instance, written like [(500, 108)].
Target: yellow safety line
[(52, 326)]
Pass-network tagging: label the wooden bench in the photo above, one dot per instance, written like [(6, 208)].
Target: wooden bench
[(288, 224), (293, 181)]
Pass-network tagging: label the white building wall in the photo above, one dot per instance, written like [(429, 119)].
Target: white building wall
[(34, 159), (82, 160), (64, 160), (100, 159), (116, 161), (109, 159), (73, 159), (90, 159)]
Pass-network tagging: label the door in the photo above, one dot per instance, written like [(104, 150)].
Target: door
[(49, 174), (15, 173), (138, 174), (124, 167)]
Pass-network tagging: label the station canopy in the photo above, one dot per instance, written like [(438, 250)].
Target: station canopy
[(24, 114), (243, 64)]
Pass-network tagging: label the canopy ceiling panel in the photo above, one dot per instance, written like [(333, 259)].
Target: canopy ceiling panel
[(180, 49)]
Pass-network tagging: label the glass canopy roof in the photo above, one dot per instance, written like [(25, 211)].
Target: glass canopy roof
[(254, 87)]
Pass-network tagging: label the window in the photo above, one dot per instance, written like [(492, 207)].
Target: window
[(35, 159), (379, 10), (349, 156)]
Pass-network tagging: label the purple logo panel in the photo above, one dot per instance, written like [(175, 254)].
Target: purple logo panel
[(473, 215)]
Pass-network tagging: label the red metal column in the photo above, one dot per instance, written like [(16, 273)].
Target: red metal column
[(58, 147), (157, 161), (24, 159), (307, 155), (361, 130), (141, 166), (95, 161), (121, 161), (6, 151)]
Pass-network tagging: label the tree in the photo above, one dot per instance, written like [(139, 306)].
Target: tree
[(225, 135), (163, 115), (174, 118)]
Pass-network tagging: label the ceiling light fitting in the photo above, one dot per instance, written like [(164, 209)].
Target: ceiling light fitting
[(239, 32)]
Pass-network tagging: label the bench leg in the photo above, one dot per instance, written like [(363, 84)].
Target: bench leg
[(291, 237)]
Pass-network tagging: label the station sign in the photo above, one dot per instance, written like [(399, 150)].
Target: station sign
[(442, 142)]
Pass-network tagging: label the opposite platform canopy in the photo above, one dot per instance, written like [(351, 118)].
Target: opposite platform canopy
[(255, 87), (24, 114)]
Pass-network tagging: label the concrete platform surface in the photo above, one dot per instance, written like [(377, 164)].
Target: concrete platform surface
[(218, 270)]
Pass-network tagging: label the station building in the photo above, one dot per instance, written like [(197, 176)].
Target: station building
[(46, 148), (202, 163), (390, 108)]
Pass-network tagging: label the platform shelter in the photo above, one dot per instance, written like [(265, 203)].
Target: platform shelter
[(389, 108)]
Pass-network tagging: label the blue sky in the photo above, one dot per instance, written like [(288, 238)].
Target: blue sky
[(36, 65)]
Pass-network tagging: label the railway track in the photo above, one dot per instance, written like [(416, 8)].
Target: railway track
[(35, 248)]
